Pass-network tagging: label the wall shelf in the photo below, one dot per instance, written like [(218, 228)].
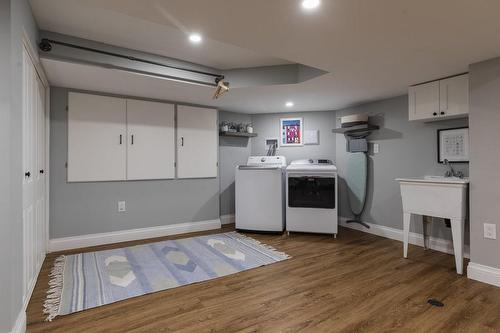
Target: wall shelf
[(356, 129), (238, 134)]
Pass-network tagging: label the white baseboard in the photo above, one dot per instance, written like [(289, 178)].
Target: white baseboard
[(76, 242), (32, 285), (20, 324), (482, 273), (437, 244), (227, 219)]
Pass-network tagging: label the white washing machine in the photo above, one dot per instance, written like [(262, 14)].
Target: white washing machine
[(260, 194), (311, 197)]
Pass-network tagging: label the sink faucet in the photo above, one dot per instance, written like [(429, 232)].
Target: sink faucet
[(451, 172)]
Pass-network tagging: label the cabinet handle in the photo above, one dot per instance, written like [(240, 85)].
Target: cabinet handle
[(182, 141), (120, 139), (132, 138), (42, 171), (27, 174), (434, 114), (442, 112)]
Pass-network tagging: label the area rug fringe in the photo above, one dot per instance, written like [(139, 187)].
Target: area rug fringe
[(53, 300), (268, 247)]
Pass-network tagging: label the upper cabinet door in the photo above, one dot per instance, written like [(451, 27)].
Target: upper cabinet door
[(424, 101), (196, 142), (96, 138), (150, 140), (454, 96)]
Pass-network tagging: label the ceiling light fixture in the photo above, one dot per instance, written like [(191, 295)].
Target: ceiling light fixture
[(289, 104), (222, 87), (310, 4), (195, 38)]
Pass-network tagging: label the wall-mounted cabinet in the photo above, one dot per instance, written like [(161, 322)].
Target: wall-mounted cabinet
[(116, 139), (150, 140), (97, 129), (197, 141), (439, 100)]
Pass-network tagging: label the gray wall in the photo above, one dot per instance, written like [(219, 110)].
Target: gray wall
[(268, 126), (86, 208), (15, 18), (407, 149), (485, 159), (232, 152)]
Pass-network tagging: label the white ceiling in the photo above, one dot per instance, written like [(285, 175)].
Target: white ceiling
[(373, 49), (81, 19)]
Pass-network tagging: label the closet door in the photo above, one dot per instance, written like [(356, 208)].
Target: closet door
[(29, 167), (39, 173), (196, 142), (96, 138), (34, 138), (150, 140)]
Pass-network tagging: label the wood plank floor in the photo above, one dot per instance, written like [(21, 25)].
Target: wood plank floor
[(355, 283)]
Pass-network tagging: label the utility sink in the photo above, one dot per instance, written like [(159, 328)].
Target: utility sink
[(438, 196)]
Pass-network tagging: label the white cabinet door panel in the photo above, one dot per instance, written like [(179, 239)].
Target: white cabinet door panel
[(150, 140), (197, 140), (454, 95), (96, 138), (424, 101)]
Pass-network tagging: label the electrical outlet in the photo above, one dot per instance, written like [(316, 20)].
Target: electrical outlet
[(490, 231), (376, 148), (121, 206)]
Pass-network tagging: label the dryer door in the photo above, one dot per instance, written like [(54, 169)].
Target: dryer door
[(311, 191)]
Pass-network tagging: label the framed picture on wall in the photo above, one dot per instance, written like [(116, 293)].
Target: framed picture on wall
[(291, 130), (453, 145)]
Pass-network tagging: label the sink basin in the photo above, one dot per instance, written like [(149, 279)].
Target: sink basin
[(435, 196)]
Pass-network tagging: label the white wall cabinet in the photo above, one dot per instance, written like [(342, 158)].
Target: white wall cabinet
[(197, 141), (116, 139), (439, 100), (150, 140), (96, 138), (454, 96)]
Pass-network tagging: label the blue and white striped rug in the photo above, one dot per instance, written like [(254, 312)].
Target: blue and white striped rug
[(87, 280)]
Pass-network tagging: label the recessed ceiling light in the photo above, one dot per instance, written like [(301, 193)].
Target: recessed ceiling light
[(310, 4), (195, 38), (289, 104)]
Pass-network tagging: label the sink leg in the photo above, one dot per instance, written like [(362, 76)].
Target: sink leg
[(457, 231), (406, 233), (425, 226)]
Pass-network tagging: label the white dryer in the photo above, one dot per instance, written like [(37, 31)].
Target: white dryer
[(260, 194), (311, 195)]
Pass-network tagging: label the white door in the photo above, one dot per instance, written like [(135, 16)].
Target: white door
[(196, 142), (150, 139), (34, 139), (29, 166), (96, 138), (39, 172), (454, 96), (423, 101)]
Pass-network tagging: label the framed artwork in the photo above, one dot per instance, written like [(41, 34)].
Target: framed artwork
[(291, 130), (453, 145)]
